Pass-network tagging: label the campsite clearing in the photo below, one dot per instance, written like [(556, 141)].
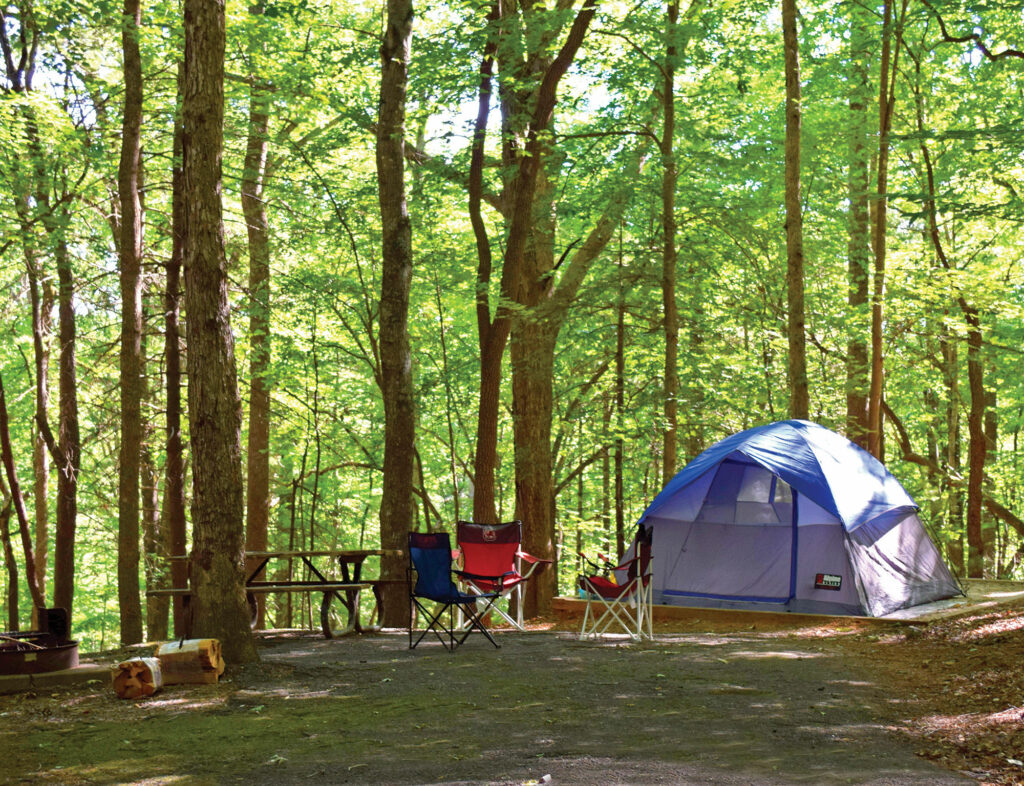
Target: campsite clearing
[(709, 701)]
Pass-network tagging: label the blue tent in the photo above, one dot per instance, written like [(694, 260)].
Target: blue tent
[(791, 516)]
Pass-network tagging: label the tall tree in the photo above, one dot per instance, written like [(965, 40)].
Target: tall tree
[(173, 509), (892, 37), (396, 505), (215, 414), (132, 383), (41, 456), (254, 208), (669, 256), (858, 253), (7, 459), (492, 334), (54, 215), (799, 400)]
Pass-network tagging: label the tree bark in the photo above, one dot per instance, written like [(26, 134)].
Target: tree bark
[(492, 337), (258, 447), (215, 418), (975, 447), (7, 458), (67, 455), (534, 338), (859, 228), (886, 105), (799, 399), (11, 598), (154, 542), (397, 505), (173, 508), (620, 407), (131, 382), (952, 453), (41, 456), (526, 116), (669, 177)]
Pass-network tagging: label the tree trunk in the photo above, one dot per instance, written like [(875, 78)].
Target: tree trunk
[(41, 456), (258, 448), (886, 105), (620, 406), (975, 447), (7, 458), (396, 507), (153, 540), (532, 355), (859, 226), (11, 597), (954, 497), (669, 177), (174, 470), (534, 338), (989, 525), (799, 399), (492, 335), (215, 417), (131, 381), (975, 375)]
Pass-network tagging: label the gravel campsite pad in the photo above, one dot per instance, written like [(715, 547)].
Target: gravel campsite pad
[(725, 704)]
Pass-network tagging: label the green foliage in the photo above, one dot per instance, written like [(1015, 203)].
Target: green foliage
[(321, 62)]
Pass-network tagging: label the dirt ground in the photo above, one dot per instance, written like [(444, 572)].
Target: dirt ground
[(704, 703)]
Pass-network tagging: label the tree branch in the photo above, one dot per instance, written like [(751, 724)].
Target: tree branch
[(972, 37)]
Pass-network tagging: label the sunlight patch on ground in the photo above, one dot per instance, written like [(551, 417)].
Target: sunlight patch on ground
[(992, 629), (125, 771), (778, 654), (957, 723), (187, 703)]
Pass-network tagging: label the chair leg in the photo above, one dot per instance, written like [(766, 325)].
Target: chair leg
[(474, 620)]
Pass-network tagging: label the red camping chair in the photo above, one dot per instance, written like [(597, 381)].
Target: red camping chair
[(625, 606), (493, 554)]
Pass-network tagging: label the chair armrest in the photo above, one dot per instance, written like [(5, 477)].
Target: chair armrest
[(533, 562), (532, 559), (477, 576)]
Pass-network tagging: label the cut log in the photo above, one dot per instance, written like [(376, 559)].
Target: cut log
[(137, 678), (190, 661)]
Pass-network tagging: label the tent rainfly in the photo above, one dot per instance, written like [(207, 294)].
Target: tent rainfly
[(791, 516)]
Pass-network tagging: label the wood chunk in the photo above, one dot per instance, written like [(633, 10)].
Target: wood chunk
[(193, 661), (136, 678)]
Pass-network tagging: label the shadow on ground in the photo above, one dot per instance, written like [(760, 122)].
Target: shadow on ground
[(710, 709)]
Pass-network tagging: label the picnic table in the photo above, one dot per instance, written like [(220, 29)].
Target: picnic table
[(340, 593)]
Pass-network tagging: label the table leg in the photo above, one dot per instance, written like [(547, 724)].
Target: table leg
[(329, 614)]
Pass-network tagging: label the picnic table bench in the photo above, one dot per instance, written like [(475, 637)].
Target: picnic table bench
[(343, 592)]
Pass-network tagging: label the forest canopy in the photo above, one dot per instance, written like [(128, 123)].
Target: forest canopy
[(616, 257)]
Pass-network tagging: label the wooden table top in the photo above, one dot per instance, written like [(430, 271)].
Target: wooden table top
[(314, 553), (329, 553)]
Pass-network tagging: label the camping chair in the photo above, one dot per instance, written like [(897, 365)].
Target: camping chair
[(625, 606), (494, 562), (430, 558)]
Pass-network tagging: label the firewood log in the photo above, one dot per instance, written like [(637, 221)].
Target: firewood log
[(190, 661), (137, 678)]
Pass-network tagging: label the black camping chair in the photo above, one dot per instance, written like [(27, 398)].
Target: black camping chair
[(430, 558)]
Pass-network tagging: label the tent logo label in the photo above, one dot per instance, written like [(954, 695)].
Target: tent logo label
[(829, 581)]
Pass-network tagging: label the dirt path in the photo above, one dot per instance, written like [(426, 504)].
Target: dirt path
[(731, 708)]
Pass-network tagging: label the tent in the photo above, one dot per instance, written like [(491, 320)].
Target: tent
[(791, 516)]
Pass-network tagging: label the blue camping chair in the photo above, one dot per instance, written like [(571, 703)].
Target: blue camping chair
[(430, 559)]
